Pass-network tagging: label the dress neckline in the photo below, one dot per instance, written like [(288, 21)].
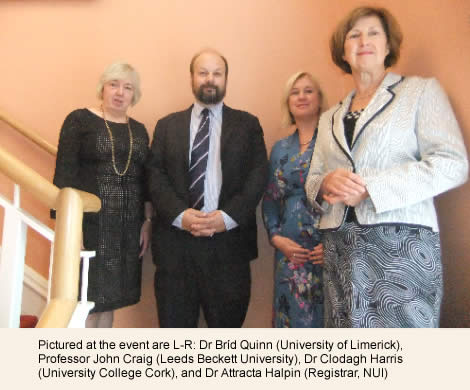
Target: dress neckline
[(354, 114), (309, 145), (107, 120)]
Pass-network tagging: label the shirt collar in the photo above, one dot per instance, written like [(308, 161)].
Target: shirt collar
[(215, 109)]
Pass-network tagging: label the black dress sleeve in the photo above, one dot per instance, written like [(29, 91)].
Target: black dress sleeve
[(68, 154), (145, 173)]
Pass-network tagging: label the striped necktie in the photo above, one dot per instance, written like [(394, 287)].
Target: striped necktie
[(197, 168)]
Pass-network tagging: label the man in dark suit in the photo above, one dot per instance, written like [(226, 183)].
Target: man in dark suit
[(207, 173)]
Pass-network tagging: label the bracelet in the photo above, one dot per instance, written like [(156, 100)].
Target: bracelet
[(148, 219)]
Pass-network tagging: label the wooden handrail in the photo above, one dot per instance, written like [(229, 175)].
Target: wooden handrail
[(66, 267), (32, 136), (42, 189), (28, 179), (70, 205)]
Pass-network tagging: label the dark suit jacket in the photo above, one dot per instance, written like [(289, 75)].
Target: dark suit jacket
[(244, 175)]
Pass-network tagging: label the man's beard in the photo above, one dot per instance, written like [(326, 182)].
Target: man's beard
[(212, 97)]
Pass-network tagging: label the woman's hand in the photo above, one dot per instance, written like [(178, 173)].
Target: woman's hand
[(317, 254), (145, 235), (294, 252), (354, 200), (344, 186)]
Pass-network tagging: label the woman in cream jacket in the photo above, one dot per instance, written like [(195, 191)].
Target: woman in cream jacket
[(382, 155)]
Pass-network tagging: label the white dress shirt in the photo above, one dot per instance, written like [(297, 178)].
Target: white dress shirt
[(213, 179)]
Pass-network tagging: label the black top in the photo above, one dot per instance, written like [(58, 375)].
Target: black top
[(84, 162), (349, 125)]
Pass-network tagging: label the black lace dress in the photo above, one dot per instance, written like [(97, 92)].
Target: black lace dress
[(84, 162)]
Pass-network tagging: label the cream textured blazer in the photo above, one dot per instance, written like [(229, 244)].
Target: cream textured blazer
[(407, 147)]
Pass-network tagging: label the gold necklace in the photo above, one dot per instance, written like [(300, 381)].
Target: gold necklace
[(310, 140), (131, 143)]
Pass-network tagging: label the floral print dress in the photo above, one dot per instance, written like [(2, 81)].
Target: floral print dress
[(298, 291)]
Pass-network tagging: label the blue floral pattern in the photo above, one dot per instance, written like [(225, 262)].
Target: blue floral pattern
[(298, 290)]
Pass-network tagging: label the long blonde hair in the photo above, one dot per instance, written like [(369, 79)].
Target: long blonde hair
[(287, 119)]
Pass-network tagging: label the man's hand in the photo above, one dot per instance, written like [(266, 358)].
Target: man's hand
[(192, 217), (212, 223)]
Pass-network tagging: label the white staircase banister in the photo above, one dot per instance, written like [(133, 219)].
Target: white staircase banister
[(70, 205)]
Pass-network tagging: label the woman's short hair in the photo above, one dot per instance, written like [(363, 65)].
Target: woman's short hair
[(287, 118), (119, 71), (389, 24)]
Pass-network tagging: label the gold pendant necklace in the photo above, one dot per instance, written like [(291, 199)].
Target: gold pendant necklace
[(310, 140), (131, 143)]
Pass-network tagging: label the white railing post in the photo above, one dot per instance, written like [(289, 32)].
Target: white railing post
[(49, 278), (12, 269), (83, 307), (15, 224), (16, 196)]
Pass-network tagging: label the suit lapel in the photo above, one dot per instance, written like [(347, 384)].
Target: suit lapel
[(337, 125), (381, 99), (227, 129), (182, 130)]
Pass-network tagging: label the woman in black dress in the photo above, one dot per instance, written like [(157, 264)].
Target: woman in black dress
[(103, 151)]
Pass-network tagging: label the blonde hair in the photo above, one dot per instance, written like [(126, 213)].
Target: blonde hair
[(287, 118), (119, 71)]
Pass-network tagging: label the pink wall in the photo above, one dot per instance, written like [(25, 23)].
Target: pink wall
[(52, 53)]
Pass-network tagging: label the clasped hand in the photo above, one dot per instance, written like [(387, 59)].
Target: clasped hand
[(344, 186), (201, 224), (295, 253)]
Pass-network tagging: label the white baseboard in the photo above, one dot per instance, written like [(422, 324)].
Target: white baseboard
[(34, 291), (35, 282), (34, 298)]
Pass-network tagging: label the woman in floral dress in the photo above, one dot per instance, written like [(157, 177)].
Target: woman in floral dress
[(290, 221)]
